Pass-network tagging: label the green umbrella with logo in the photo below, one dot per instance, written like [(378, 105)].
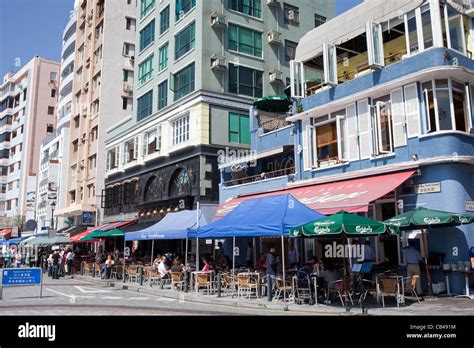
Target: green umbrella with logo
[(342, 223), (422, 218), (99, 234)]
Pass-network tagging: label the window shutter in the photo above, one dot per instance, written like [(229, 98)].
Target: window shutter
[(103, 200), (306, 128), (117, 156), (374, 44), (330, 64), (145, 145), (297, 79), (171, 83), (136, 144), (352, 143), (109, 160), (365, 129), (412, 110), (398, 118), (125, 155), (158, 138), (341, 138)]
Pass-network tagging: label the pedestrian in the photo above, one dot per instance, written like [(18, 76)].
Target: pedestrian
[(70, 261), (413, 259), (56, 260), (271, 266), (292, 257), (50, 265), (249, 261), (6, 258), (18, 259), (109, 264), (220, 255)]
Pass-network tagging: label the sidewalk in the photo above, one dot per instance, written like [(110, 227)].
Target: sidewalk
[(437, 306)]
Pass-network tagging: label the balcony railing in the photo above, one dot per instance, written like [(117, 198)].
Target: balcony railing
[(270, 121), (261, 177)]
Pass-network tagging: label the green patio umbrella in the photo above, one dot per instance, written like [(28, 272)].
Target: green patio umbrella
[(277, 103), (99, 234), (342, 223), (422, 218)]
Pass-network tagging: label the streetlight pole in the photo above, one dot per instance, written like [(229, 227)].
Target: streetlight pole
[(53, 206)]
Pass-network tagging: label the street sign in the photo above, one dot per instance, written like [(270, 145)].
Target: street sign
[(236, 251), (469, 205), (21, 277), (430, 187), (87, 217)]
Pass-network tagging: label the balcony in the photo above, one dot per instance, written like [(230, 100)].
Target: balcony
[(259, 177)]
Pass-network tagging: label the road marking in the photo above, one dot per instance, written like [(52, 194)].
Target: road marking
[(88, 290), (59, 293), (111, 297), (164, 299), (139, 298)]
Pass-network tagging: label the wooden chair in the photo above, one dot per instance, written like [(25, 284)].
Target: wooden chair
[(390, 287), (177, 280), (132, 273), (117, 272), (153, 276), (203, 281), (227, 283), (410, 286), (280, 289), (245, 286)]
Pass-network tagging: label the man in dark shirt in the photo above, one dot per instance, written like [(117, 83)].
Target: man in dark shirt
[(56, 257)]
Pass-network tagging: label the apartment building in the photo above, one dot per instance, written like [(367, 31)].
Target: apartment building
[(387, 127), (28, 100), (199, 67), (105, 41), (51, 191)]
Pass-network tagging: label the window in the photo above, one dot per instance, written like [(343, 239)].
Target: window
[(152, 141), (290, 50), (130, 150), (246, 81), (374, 44), (163, 57), (112, 158), (128, 49), (164, 19), (50, 110), (183, 7), (76, 121), (183, 82), (98, 54), (319, 20), (291, 14), (147, 35), (75, 145), (146, 6), (440, 114), (382, 125), (127, 103), (162, 95), (330, 64), (180, 130), (53, 93), (426, 25), (245, 40), (145, 105), (92, 161), (239, 128), (249, 7), (130, 23), (53, 75), (145, 70), (125, 75), (411, 32), (455, 23), (94, 133), (185, 41)]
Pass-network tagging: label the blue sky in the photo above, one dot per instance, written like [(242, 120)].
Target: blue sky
[(31, 27)]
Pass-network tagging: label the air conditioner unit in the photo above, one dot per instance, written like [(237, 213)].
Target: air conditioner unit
[(127, 88), (218, 63), (132, 58), (81, 164), (274, 38), (217, 20), (273, 3), (275, 77)]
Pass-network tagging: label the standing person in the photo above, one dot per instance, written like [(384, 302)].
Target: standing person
[(249, 262), (413, 259), (109, 264), (271, 266), (292, 256), (117, 255), (18, 259), (70, 261), (6, 258), (220, 255), (56, 260), (50, 265)]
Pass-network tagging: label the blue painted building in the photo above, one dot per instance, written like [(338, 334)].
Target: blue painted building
[(383, 124)]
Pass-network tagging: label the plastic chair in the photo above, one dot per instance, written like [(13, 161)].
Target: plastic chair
[(390, 287), (410, 286)]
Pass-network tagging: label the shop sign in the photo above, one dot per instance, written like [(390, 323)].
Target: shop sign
[(428, 188), (469, 206)]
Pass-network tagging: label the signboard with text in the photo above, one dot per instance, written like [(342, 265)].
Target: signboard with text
[(21, 276), (431, 187), (469, 206)]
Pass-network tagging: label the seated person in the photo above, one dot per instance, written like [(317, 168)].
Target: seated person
[(177, 266), (207, 265), (261, 263), (109, 264), (164, 271), (157, 261)]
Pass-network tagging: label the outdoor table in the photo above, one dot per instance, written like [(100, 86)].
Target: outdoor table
[(196, 273), (254, 275)]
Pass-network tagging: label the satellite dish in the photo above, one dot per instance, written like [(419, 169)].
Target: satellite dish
[(30, 225)]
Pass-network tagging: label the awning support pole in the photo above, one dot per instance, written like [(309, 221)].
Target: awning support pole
[(283, 263), (152, 250), (197, 238), (233, 263), (425, 247)]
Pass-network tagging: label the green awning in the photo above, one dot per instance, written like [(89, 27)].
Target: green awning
[(337, 224), (277, 103), (99, 234), (46, 241), (422, 217)]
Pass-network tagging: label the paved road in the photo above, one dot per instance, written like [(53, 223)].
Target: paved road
[(67, 296)]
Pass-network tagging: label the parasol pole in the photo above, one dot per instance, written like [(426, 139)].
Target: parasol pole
[(425, 247), (152, 250), (197, 239), (346, 271), (283, 263)]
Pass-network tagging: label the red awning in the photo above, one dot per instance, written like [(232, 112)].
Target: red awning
[(5, 232), (118, 224), (351, 195), (79, 236)]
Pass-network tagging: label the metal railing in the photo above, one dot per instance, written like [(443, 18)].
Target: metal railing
[(271, 121), (261, 177)]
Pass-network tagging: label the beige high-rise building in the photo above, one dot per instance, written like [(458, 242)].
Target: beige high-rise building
[(28, 100), (104, 52)]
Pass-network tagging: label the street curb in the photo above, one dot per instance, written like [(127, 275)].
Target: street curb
[(213, 300)]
